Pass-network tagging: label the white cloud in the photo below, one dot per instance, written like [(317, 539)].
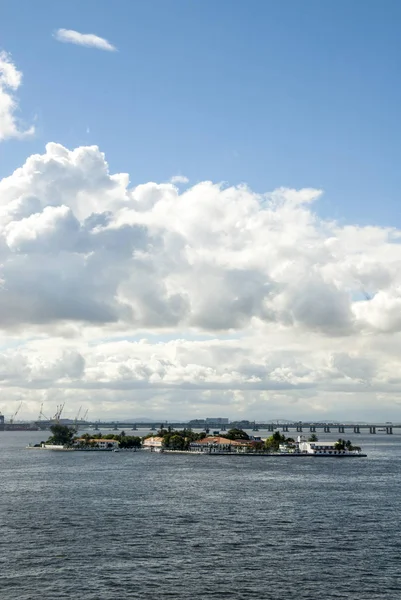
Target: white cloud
[(89, 40), (179, 179), (10, 81), (248, 304)]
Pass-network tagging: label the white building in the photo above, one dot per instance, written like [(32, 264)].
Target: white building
[(320, 448), (99, 443), (106, 444), (288, 448), (154, 443)]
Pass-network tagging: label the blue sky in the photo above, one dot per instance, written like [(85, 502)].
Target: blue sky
[(270, 93), (149, 295)]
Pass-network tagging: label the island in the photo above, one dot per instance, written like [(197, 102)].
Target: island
[(234, 442)]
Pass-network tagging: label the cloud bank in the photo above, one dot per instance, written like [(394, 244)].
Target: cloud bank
[(10, 81), (89, 40), (216, 299)]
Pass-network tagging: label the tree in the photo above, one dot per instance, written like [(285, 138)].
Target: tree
[(177, 442), (236, 434), (130, 441), (345, 445), (313, 438), (162, 432), (257, 447), (62, 435), (273, 442)]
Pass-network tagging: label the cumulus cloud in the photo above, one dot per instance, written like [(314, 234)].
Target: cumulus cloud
[(211, 258), (267, 306), (187, 378), (90, 40), (10, 81)]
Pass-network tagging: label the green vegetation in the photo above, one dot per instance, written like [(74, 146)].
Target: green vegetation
[(128, 441), (236, 434), (179, 440), (66, 436), (273, 442), (125, 441), (62, 435), (173, 440), (345, 445), (162, 431)]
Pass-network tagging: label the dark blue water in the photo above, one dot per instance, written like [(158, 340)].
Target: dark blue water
[(134, 525)]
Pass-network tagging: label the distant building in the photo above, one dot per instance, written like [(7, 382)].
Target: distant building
[(154, 443), (100, 443), (106, 444), (215, 444), (288, 448), (216, 421), (320, 448)]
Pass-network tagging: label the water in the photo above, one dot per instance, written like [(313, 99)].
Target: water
[(102, 526)]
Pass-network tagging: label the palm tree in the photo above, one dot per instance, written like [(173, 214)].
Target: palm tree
[(340, 444)]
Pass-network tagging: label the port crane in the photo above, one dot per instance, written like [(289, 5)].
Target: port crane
[(59, 410), (16, 413), (42, 415), (77, 418)]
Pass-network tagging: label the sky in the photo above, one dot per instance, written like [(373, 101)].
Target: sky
[(199, 208)]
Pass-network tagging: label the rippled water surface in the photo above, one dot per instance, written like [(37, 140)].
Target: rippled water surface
[(134, 525)]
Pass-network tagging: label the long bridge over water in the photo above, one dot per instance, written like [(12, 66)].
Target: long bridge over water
[(285, 426), (270, 426)]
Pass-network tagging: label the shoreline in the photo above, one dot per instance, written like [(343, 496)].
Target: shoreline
[(192, 453), (265, 454)]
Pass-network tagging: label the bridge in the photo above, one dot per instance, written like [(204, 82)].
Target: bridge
[(271, 426)]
